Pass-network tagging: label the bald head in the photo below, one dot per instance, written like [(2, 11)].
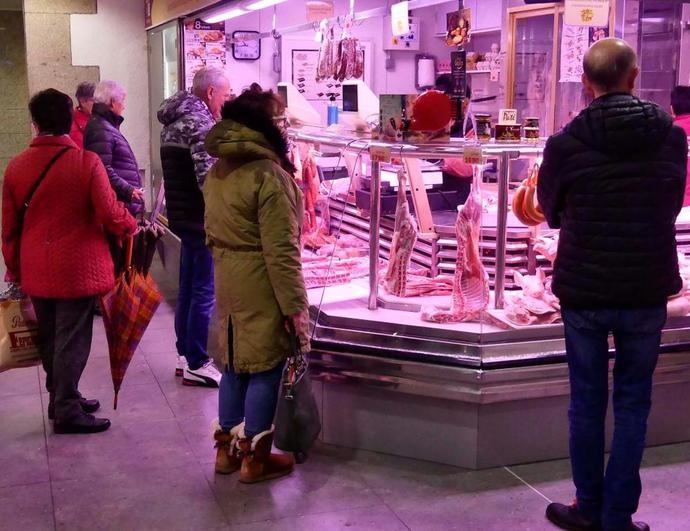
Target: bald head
[(610, 65)]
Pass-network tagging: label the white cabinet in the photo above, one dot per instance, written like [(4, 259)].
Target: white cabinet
[(486, 14)]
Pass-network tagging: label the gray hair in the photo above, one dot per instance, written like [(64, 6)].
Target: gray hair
[(85, 90), (207, 77), (109, 91)]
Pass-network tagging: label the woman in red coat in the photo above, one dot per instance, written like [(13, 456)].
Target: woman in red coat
[(64, 261), (680, 104), (82, 114)]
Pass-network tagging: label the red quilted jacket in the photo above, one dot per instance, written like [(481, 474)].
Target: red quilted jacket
[(64, 250)]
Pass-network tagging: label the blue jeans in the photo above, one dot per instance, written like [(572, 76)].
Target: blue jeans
[(610, 496), (195, 299), (249, 397)]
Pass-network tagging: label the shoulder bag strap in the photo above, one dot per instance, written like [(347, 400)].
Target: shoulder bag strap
[(22, 210)]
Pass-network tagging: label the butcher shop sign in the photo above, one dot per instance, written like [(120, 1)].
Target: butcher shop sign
[(592, 13)]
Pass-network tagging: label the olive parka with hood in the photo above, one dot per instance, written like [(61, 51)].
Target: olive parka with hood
[(254, 212)]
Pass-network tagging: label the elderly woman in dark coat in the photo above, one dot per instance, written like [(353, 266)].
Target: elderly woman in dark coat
[(103, 137)]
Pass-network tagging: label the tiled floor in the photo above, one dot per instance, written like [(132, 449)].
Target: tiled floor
[(153, 469)]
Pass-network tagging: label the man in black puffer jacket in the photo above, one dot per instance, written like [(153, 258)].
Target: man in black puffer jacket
[(613, 182), (102, 136)]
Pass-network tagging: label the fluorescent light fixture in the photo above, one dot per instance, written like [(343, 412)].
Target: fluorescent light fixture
[(225, 14), (260, 4)]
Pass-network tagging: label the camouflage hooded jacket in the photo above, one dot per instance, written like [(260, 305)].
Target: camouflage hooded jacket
[(186, 121)]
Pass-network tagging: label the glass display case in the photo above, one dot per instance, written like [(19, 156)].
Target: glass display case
[(381, 264)]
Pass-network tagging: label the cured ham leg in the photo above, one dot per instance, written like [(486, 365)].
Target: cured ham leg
[(404, 238), (470, 283)]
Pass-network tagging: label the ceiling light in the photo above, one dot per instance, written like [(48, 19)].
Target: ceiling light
[(226, 14), (260, 4)]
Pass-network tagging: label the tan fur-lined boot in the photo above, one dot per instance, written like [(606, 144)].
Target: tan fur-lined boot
[(258, 463), (227, 458)]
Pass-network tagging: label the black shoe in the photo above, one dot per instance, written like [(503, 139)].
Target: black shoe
[(90, 406), (87, 406), (83, 424), (636, 526), (568, 517)]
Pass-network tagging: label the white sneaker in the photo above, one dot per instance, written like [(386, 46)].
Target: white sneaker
[(181, 365), (206, 376)]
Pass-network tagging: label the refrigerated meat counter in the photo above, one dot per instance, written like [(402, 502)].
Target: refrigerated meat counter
[(486, 393)]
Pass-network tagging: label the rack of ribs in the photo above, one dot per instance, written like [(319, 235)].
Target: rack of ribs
[(470, 295), (404, 238)]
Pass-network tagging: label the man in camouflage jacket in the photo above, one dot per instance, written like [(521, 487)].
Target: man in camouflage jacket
[(186, 118)]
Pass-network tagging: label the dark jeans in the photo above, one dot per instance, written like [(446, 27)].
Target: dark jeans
[(195, 299), (610, 495), (65, 327)]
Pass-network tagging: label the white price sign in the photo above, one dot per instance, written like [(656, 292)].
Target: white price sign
[(592, 13), (507, 116), (473, 155), (379, 153), (400, 19)]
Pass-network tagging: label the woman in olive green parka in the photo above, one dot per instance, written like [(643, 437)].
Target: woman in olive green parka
[(254, 212)]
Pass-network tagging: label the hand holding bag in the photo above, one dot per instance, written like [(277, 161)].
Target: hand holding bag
[(297, 422)]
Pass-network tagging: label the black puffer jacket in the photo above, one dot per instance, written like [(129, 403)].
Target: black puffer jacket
[(186, 121), (102, 136), (613, 182)]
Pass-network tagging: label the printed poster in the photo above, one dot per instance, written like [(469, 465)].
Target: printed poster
[(575, 42), (204, 46)]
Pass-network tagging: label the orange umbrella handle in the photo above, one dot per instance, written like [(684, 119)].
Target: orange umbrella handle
[(129, 244)]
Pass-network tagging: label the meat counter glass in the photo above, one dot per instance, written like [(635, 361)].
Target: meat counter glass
[(406, 259)]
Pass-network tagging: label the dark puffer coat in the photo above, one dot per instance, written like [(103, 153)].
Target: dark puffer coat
[(102, 136), (613, 182)]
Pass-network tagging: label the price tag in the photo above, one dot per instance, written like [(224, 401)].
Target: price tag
[(380, 153), (473, 155), (507, 116)]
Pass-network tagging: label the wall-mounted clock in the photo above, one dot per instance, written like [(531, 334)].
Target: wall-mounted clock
[(246, 45)]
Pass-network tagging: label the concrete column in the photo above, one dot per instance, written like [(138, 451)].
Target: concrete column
[(48, 44)]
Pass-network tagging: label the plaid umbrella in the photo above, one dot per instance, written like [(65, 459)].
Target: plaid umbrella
[(127, 311)]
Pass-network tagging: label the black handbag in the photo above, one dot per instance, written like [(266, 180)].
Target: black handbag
[(297, 422)]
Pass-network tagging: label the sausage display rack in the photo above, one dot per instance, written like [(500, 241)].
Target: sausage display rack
[(380, 373)]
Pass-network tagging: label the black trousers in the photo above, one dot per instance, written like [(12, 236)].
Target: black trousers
[(65, 328)]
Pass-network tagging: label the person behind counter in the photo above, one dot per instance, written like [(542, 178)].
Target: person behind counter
[(253, 219), (187, 118), (82, 113), (680, 104), (103, 137), (613, 182), (64, 261)]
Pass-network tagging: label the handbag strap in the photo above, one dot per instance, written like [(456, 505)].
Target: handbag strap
[(22, 210)]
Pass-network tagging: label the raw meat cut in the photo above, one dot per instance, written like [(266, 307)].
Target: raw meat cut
[(326, 64), (470, 283), (311, 192), (404, 238), (547, 247), (535, 304), (421, 286)]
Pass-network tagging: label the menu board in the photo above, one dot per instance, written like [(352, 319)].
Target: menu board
[(204, 46)]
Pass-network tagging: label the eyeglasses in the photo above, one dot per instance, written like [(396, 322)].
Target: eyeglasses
[(281, 121)]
